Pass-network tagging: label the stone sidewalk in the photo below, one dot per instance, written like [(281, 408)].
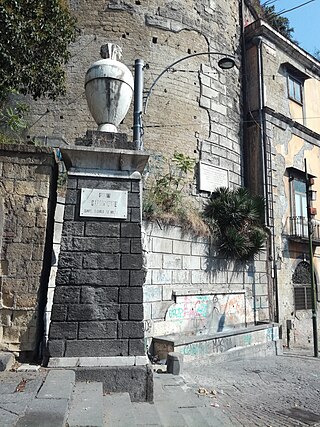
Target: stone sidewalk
[(270, 391), (262, 391)]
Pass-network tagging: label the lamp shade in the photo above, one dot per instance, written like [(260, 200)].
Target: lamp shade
[(226, 63)]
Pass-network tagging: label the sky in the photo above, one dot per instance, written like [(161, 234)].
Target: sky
[(305, 21)]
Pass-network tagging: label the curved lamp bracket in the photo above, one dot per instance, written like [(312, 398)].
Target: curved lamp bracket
[(225, 63)]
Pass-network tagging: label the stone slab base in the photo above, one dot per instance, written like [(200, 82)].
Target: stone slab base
[(135, 380), (6, 361), (262, 339)]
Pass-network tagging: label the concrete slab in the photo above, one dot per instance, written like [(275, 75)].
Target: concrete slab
[(86, 406), (8, 419), (118, 410), (45, 413), (58, 385), (145, 414)]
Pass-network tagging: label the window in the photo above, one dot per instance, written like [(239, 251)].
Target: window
[(302, 286), (295, 89), (300, 208), (298, 218)]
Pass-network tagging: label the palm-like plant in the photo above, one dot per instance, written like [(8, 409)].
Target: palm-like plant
[(236, 221)]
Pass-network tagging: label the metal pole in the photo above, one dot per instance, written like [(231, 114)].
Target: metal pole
[(138, 103), (313, 287)]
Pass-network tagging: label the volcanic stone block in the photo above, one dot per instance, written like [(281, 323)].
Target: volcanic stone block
[(135, 214), (69, 213), (102, 261), (63, 276), (69, 260), (131, 262), (100, 277), (100, 296), (94, 244), (63, 330), (124, 312), (97, 330), (136, 347), (137, 278), (136, 247), (131, 295), (66, 294), (99, 348), (72, 196), (81, 312), (131, 329), (136, 312), (56, 348), (59, 313), (130, 230), (133, 200), (73, 228), (102, 229)]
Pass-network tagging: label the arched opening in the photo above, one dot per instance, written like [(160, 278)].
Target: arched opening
[(301, 280)]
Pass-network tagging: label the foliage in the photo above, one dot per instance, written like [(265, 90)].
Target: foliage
[(12, 116), (34, 39), (278, 22), (317, 54), (12, 122), (165, 194), (236, 222)]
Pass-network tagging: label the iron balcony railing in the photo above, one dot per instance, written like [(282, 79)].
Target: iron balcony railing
[(298, 228)]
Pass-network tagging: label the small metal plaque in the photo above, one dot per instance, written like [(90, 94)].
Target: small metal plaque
[(103, 203), (212, 177)]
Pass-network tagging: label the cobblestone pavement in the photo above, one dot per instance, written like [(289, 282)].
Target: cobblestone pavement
[(266, 391)]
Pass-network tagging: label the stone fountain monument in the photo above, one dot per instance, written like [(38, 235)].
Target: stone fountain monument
[(97, 314)]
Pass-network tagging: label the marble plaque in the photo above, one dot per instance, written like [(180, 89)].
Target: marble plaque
[(212, 177), (103, 203)]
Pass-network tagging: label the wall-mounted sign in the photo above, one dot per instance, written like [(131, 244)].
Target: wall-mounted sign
[(212, 177), (103, 203)]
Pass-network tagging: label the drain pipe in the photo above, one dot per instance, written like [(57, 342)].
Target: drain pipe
[(258, 42), (262, 133), (138, 104)]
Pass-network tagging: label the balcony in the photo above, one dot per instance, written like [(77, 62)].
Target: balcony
[(297, 229)]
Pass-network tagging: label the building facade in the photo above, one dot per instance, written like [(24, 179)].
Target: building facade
[(282, 138)]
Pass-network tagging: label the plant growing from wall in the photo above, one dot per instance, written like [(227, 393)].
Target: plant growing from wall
[(12, 122), (235, 219), (166, 193)]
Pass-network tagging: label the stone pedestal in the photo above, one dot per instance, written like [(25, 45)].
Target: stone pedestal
[(97, 314)]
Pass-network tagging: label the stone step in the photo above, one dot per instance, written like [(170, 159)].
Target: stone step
[(86, 408), (50, 406), (146, 414), (118, 411)]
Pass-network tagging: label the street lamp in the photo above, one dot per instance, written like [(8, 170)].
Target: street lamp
[(226, 63)]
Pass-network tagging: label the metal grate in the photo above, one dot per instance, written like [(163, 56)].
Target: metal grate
[(302, 298)]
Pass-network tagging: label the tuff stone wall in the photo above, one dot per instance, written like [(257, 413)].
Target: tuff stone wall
[(188, 292), (27, 195), (194, 108)]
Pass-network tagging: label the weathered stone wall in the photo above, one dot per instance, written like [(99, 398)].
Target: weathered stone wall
[(194, 108), (188, 292), (27, 175)]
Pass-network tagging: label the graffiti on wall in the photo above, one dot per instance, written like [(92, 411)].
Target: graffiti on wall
[(205, 314)]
